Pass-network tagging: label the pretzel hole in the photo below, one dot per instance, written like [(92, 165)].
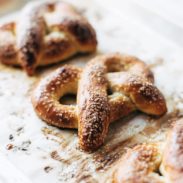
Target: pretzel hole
[(114, 68), (68, 99), (109, 91)]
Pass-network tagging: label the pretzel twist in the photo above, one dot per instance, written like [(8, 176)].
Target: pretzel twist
[(45, 33), (129, 81), (142, 163)]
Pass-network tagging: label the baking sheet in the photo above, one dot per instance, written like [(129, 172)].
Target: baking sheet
[(41, 153)]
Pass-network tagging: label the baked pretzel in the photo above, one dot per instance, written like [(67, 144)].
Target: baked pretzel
[(142, 163), (45, 33), (172, 164), (129, 80)]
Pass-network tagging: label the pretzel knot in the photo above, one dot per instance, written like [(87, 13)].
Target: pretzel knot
[(45, 33), (108, 88), (149, 163)]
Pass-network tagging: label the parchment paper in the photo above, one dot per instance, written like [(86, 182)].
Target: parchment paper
[(46, 154)]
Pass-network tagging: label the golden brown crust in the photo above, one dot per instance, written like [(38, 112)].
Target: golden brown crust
[(96, 107), (48, 32), (139, 165), (145, 95), (172, 165)]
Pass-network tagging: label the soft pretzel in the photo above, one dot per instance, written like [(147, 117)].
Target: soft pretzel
[(139, 165), (142, 163), (129, 80), (45, 33), (172, 165)]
